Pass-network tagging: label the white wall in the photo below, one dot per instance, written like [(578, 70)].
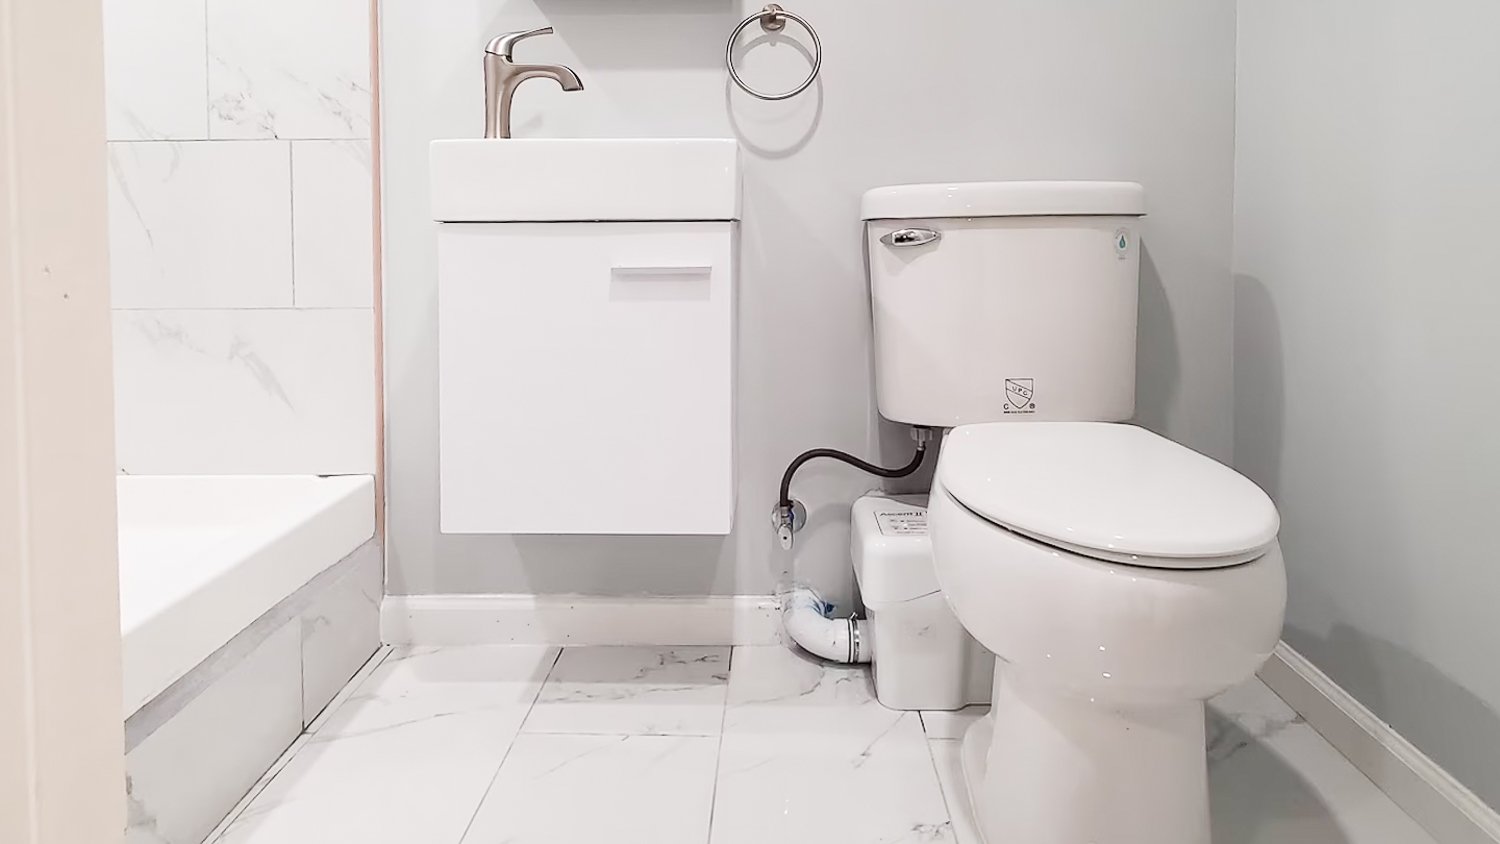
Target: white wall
[(910, 92), (240, 235), (1367, 361)]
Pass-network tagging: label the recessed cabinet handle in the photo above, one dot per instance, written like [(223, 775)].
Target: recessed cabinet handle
[(911, 237)]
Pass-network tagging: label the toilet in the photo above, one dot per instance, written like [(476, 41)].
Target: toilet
[(1119, 579)]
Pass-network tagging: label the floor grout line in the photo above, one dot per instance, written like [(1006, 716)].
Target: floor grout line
[(713, 796), (556, 658), (947, 804)]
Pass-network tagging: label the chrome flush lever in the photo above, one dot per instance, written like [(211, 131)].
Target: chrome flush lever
[(911, 237)]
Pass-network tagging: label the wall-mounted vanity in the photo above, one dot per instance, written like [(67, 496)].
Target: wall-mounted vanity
[(586, 314)]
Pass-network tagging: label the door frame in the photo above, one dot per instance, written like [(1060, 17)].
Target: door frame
[(62, 778)]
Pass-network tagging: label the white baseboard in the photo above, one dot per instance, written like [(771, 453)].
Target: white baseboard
[(1450, 812), (578, 620)]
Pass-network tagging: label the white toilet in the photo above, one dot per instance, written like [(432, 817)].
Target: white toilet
[(1119, 578)]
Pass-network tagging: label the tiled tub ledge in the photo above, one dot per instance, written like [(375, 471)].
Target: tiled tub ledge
[(195, 749)]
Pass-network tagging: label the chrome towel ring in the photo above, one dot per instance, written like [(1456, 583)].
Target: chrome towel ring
[(773, 18)]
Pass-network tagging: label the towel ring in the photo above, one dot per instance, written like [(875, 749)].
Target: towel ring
[(773, 18)]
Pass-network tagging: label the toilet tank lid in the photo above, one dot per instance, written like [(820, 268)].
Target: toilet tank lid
[(1111, 488), (1004, 199)]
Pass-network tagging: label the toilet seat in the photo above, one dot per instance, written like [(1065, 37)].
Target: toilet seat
[(1109, 491)]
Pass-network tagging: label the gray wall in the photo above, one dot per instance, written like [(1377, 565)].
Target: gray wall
[(1002, 89), (1367, 360)]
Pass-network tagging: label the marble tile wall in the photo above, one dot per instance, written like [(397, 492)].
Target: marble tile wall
[(241, 225)]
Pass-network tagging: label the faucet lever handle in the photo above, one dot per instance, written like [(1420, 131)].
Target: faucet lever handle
[(503, 45)]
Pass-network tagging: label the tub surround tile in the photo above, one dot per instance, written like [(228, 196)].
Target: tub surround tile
[(200, 225), (333, 224), (155, 69), (340, 630), (809, 755), (286, 757), (204, 100), (208, 674), (408, 756), (159, 710), (634, 691), (182, 778), (245, 392), (568, 789), (289, 69), (356, 683), (193, 751)]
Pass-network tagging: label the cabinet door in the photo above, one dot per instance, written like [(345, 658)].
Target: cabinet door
[(586, 377)]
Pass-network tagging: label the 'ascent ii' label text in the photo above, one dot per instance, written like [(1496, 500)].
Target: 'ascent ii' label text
[(902, 522)]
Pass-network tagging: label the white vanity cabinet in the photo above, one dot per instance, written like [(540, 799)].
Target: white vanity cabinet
[(586, 366)]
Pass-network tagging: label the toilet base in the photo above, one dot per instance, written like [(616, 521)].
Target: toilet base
[(1048, 768)]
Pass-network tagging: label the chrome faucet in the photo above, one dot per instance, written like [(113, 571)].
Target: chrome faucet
[(502, 76)]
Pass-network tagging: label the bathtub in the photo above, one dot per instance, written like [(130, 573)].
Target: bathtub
[(203, 557)]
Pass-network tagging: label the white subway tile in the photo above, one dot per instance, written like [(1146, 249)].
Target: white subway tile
[(200, 224), (289, 69), (333, 224), (245, 392), (156, 69)]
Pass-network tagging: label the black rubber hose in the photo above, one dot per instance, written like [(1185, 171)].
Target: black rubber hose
[(879, 471)]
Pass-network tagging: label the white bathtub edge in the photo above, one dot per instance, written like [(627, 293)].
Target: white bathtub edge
[(164, 648)]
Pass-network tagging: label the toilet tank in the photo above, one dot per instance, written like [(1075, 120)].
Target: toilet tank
[(1004, 301)]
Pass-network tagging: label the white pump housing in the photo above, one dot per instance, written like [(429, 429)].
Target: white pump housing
[(1004, 301)]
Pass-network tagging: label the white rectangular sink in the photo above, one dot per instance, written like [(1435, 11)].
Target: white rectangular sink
[(540, 180)]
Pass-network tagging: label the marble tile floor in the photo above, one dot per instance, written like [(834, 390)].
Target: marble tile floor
[(536, 745)]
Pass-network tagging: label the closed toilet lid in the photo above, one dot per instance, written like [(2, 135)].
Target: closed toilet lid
[(1118, 490)]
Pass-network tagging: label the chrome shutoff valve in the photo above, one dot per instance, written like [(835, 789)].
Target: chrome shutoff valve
[(788, 519)]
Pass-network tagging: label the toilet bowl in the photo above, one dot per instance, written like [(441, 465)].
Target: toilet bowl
[(1121, 580)]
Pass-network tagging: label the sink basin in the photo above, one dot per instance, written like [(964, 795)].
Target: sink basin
[(533, 180)]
